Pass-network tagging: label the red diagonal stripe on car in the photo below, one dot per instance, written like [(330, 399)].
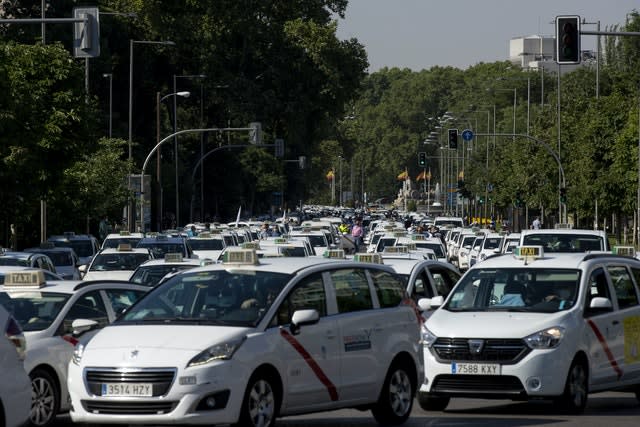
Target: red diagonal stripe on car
[(605, 346), (317, 370)]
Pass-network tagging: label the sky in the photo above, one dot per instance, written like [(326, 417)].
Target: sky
[(420, 34)]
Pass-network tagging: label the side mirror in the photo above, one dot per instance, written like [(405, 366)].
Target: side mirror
[(303, 317), (80, 326), (82, 268), (600, 304), (426, 304)]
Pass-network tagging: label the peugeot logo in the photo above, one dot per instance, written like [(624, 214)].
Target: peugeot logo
[(476, 346), (133, 354)]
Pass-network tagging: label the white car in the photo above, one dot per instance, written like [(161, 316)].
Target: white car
[(114, 239), (46, 311), (116, 263), (536, 325), (247, 340), (566, 239), (15, 387), (152, 272), (207, 245)]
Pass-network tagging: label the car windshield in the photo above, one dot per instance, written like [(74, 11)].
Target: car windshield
[(435, 247), (218, 297), (113, 242), (60, 259), (568, 242), (82, 247), (161, 249), (119, 261), (516, 289), (151, 275), (492, 242), (19, 262), (34, 310), (206, 244)]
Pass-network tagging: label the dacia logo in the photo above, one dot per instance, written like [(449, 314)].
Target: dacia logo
[(476, 346)]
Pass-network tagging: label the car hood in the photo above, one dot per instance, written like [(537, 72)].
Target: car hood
[(150, 345), (490, 324)]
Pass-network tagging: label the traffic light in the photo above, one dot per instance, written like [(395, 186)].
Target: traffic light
[(518, 201), (568, 39), (563, 195), (453, 139), (422, 159)]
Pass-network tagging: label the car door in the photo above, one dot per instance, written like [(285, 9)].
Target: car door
[(603, 331), (311, 356), (626, 295), (362, 333)]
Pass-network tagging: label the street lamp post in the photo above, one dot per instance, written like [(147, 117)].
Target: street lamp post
[(110, 77), (175, 138), (158, 168), (130, 157)]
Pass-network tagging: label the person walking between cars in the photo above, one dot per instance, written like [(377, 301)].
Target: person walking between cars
[(536, 224), (104, 228), (358, 233)]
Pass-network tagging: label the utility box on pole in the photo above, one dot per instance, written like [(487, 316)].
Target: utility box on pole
[(255, 133), (86, 34)]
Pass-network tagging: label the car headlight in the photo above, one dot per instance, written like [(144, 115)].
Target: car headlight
[(428, 338), (222, 351), (77, 353), (548, 338)]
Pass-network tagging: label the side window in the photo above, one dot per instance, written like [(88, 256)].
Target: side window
[(308, 294), (122, 298), (444, 279), (596, 287), (623, 286), (389, 288), (88, 306), (351, 289)]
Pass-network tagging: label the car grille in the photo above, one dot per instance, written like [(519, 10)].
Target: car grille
[(128, 408), (161, 379), (505, 351), (474, 385)]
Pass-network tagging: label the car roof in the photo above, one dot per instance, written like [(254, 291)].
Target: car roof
[(161, 240), (72, 286), (574, 231), (124, 251), (560, 260), (196, 262)]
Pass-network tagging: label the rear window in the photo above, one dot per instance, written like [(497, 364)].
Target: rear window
[(565, 242)]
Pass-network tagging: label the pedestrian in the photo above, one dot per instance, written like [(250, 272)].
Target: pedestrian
[(536, 224), (264, 231), (104, 228), (191, 232), (14, 238), (358, 233)]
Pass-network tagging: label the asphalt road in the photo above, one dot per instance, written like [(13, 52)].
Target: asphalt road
[(604, 409)]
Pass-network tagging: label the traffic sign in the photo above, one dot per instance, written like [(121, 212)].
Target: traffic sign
[(467, 135)]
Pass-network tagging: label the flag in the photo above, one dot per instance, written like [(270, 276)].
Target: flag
[(403, 176), (330, 175), (238, 217), (422, 176)]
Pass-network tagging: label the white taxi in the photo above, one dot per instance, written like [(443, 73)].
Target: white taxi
[(154, 271), (15, 387), (46, 311), (536, 325), (247, 340), (116, 263)]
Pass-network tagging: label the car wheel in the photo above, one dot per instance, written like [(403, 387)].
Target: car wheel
[(574, 398), (259, 406), (45, 399), (432, 403), (396, 398)]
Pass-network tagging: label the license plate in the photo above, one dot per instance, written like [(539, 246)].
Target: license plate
[(127, 389), (475, 368)]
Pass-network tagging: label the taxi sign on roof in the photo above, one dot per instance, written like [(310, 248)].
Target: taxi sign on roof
[(173, 257), (563, 226), (124, 247), (251, 245), (395, 250), (280, 240), (240, 256), (204, 235), (411, 246), (533, 252), (399, 234), (24, 280), (624, 251), (125, 233), (374, 258), (334, 253), (419, 237), (47, 245)]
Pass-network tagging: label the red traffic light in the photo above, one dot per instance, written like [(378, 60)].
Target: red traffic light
[(568, 40)]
